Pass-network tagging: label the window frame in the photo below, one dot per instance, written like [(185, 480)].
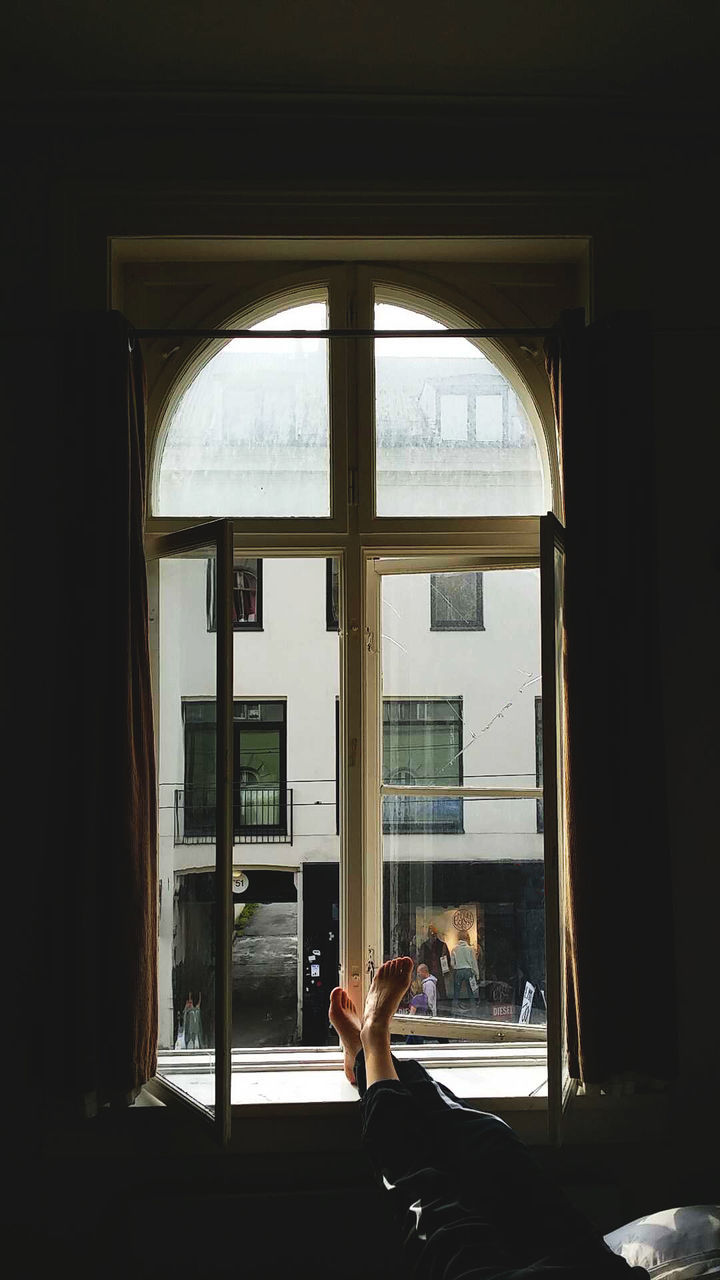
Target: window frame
[(357, 537)]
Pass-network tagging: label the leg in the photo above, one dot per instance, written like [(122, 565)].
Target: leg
[(468, 1194)]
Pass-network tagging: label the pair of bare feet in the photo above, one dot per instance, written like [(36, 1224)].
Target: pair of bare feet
[(371, 1032)]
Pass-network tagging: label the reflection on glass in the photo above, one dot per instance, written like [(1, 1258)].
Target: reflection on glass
[(452, 437), (475, 928), (463, 886), (285, 952), (186, 665), (286, 809), (250, 435)]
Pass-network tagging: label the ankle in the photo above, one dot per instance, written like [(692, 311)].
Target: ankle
[(375, 1034)]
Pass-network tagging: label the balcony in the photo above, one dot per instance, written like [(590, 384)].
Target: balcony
[(261, 815)]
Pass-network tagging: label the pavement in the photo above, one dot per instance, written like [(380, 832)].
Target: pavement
[(264, 979)]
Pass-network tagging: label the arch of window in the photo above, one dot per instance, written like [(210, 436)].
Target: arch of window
[(247, 428)]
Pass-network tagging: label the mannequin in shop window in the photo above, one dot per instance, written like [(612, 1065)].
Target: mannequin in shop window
[(435, 953)]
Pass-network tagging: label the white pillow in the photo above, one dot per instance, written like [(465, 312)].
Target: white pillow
[(675, 1244)]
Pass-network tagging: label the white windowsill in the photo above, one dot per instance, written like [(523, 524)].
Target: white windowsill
[(515, 1076)]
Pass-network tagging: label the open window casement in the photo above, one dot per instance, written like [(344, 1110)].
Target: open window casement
[(561, 1087), (203, 996)]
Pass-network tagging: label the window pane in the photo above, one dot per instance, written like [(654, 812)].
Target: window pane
[(452, 436), (250, 435), (286, 895), (481, 685), (435, 895), (186, 665), (464, 865), (285, 954)]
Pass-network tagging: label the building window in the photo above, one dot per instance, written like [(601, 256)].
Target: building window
[(456, 602), (422, 745), (261, 802), (246, 597), (332, 586)]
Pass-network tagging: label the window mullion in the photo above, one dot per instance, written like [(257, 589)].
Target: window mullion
[(351, 757), (340, 373), (363, 357), (372, 771)]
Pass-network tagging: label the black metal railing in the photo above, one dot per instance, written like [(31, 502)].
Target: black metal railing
[(261, 815)]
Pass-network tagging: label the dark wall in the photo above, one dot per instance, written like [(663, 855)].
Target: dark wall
[(638, 181)]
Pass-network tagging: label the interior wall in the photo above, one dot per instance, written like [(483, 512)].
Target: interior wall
[(636, 182)]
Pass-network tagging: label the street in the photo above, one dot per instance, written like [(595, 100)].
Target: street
[(264, 979)]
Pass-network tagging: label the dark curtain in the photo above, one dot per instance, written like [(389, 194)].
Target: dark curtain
[(621, 996), (100, 1002)]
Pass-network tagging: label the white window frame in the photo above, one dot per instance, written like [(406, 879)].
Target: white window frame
[(367, 547)]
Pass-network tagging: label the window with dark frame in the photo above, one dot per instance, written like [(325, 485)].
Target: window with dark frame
[(260, 795), (247, 599), (332, 583), (456, 602), (422, 745)]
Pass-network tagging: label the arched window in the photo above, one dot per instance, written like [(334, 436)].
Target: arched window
[(249, 435), (382, 481), (453, 437)]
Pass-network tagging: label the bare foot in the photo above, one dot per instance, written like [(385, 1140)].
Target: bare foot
[(388, 988), (346, 1021)]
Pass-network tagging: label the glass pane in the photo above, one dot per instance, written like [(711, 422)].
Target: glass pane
[(186, 700), (460, 706), (452, 436), (250, 435), (475, 922), (286, 860), (460, 709)]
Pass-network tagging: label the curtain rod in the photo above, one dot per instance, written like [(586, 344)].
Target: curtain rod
[(341, 333)]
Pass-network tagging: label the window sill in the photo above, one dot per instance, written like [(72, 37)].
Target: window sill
[(509, 1078), (310, 1106)]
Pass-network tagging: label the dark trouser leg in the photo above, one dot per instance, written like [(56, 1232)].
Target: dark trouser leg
[(467, 1192)]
